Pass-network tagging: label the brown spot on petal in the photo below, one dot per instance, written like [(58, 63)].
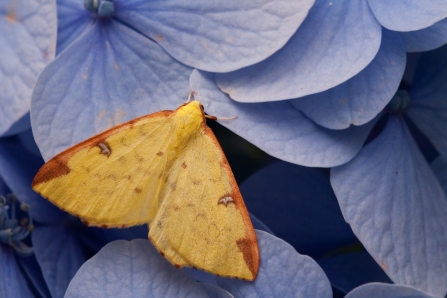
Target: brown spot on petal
[(177, 266), (184, 165), (137, 190), (104, 226), (160, 153)]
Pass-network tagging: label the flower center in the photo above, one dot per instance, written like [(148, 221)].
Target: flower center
[(13, 231), (400, 101), (103, 8)]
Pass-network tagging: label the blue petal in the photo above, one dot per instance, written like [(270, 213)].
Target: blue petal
[(131, 269), (28, 40), (439, 167), (279, 129), (402, 222), (17, 169), (216, 36), (336, 41), (259, 225), (428, 107), (361, 98), (305, 213), (12, 282), (349, 270), (73, 19), (214, 291), (109, 75), (282, 273), (27, 139), (426, 39), (408, 15), (373, 290), (59, 255), (33, 272)]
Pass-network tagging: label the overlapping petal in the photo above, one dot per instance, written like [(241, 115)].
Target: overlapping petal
[(216, 36), (373, 290), (359, 99), (280, 129), (426, 39), (12, 282), (351, 269), (109, 75), (408, 15), (17, 170), (298, 204), (59, 254), (428, 97), (131, 269), (28, 41), (73, 20), (282, 273), (402, 222), (335, 42)]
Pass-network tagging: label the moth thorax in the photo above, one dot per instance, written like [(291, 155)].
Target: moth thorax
[(189, 120)]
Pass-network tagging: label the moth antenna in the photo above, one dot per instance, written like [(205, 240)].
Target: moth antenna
[(191, 94), (219, 118)]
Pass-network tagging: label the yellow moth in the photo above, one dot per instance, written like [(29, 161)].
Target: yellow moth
[(167, 170)]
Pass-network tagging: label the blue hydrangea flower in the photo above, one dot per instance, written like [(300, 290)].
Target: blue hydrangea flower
[(373, 290), (28, 38), (125, 58), (387, 192), (135, 268), (337, 41)]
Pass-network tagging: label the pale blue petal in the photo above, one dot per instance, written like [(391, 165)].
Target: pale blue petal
[(28, 41), (396, 207), (216, 36), (282, 273), (374, 290), (305, 214), (352, 269), (59, 255), (214, 291), (17, 170), (336, 41), (12, 282), (426, 39), (108, 76), (73, 20), (279, 129), (361, 98), (131, 269), (408, 15), (428, 97)]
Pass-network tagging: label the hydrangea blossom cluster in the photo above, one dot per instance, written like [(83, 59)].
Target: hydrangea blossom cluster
[(350, 95)]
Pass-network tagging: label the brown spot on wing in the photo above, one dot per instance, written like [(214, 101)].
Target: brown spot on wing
[(56, 167), (137, 190), (177, 266), (159, 38), (160, 153), (249, 249), (104, 226), (184, 165), (105, 148)]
